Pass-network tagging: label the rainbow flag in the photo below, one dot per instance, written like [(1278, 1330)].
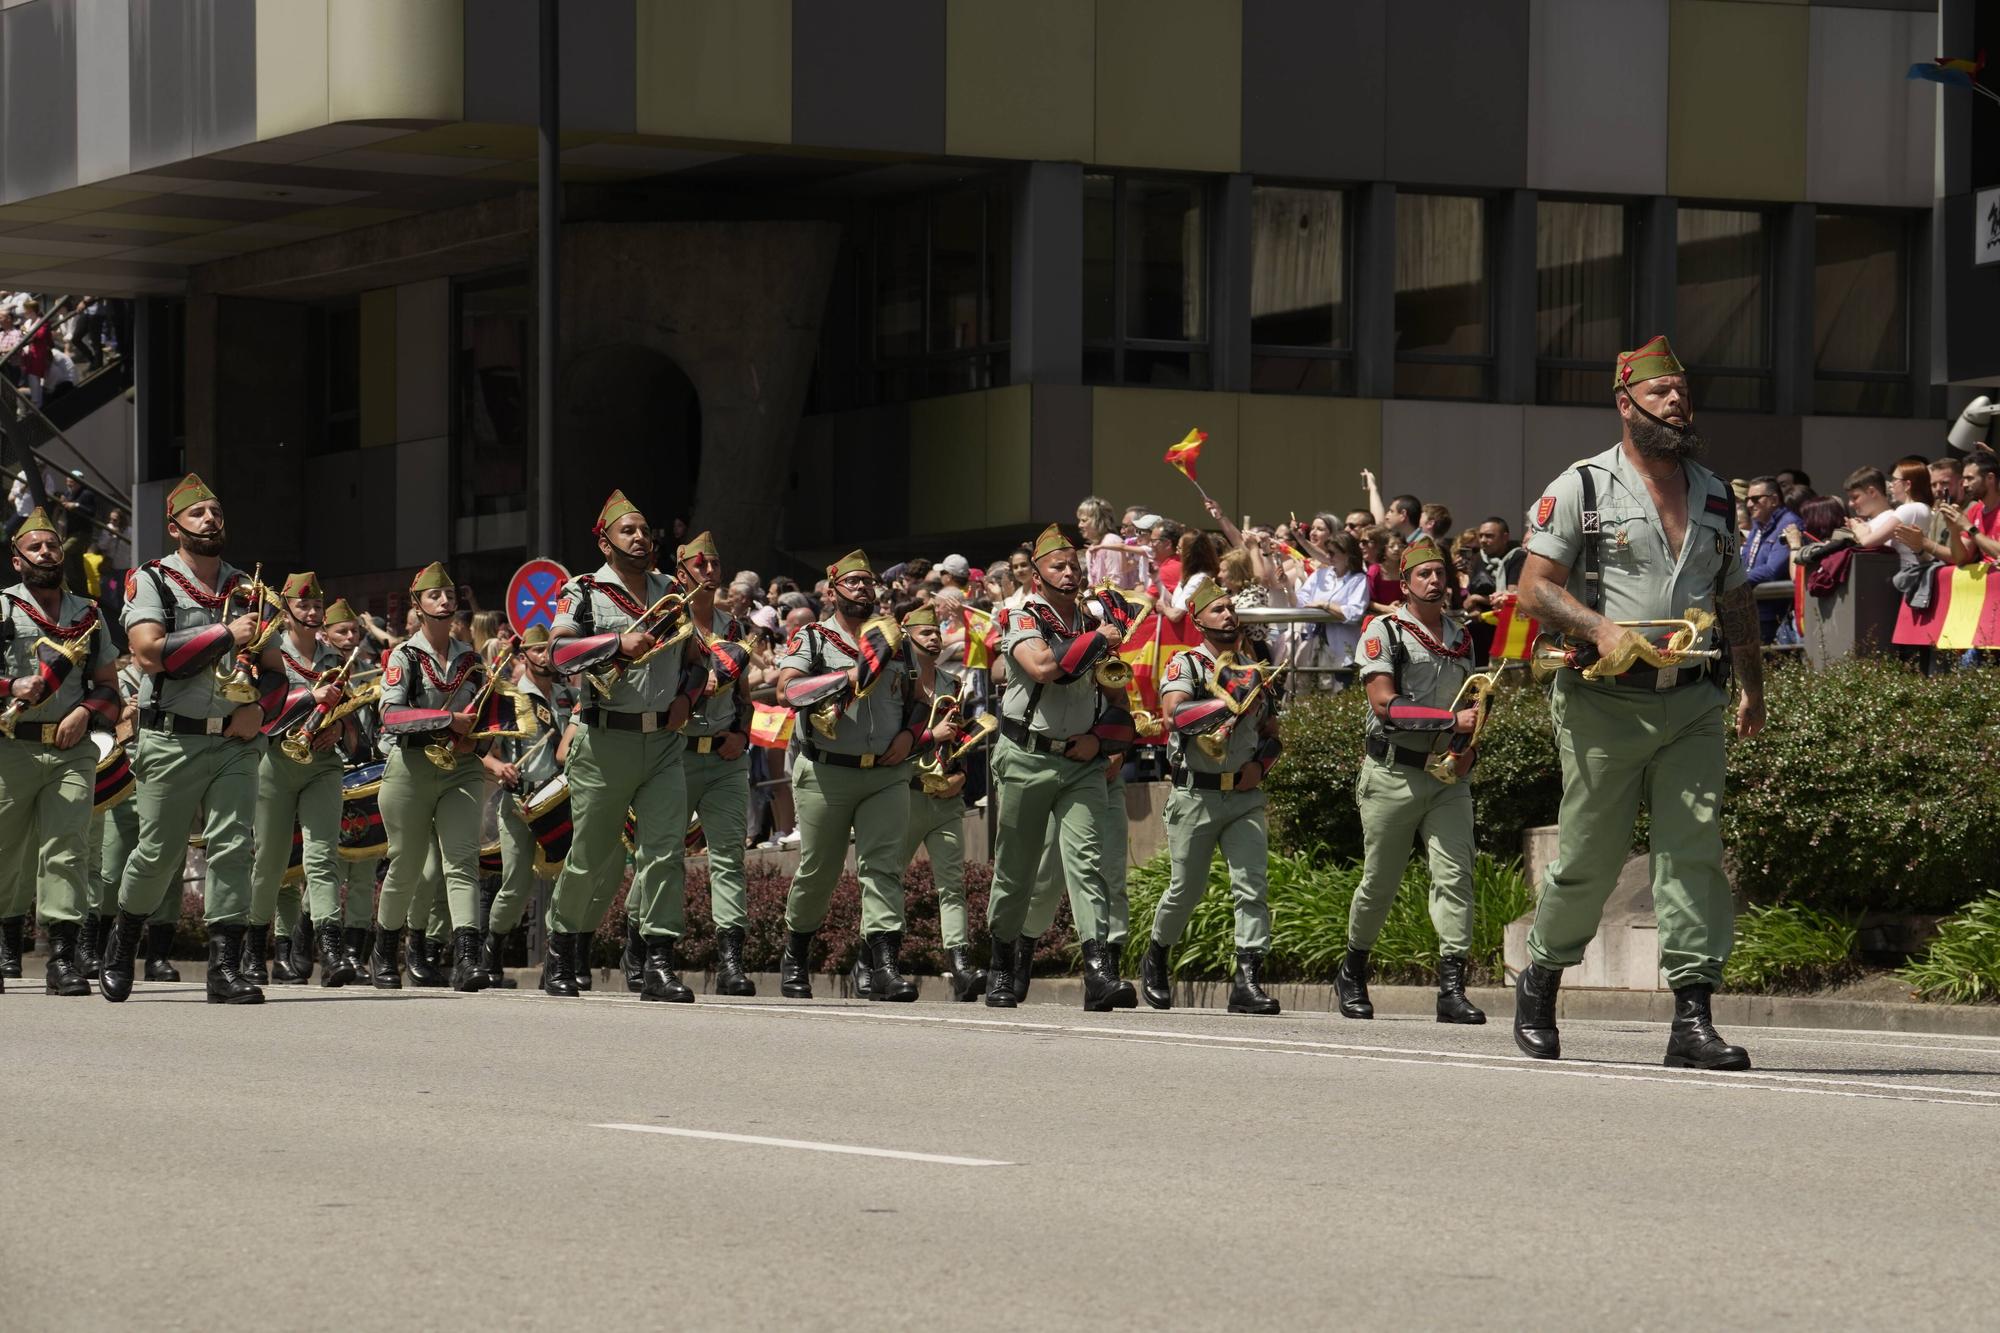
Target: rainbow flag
[(1148, 648), (1965, 613), (1181, 457), (770, 726), (1513, 633)]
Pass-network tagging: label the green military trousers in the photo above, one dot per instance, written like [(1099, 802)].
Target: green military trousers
[(611, 772), (429, 812), (116, 834), (518, 875), (937, 824), (430, 904), (1033, 789), (1050, 883), (45, 800), (874, 805), (718, 790), (353, 900), (17, 878), (1398, 804), (213, 778), (308, 794), (1617, 746), (1198, 822)]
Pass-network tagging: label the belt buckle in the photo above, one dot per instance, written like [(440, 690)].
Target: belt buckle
[(704, 744), (1225, 782), (212, 726), (867, 761), (49, 732), (648, 723), (1668, 677)]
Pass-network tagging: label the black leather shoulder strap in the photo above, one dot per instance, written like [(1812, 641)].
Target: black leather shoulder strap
[(1592, 527)]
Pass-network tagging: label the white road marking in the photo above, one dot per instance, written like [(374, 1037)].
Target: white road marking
[(807, 1145)]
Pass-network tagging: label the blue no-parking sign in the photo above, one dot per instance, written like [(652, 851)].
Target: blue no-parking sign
[(531, 594)]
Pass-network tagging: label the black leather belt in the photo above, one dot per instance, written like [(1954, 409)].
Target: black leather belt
[(1018, 733), (37, 733), (641, 722), (819, 756), (709, 744), (1189, 779), (175, 724), (1378, 747)]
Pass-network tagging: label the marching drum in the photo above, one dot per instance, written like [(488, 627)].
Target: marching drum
[(489, 860), (545, 811), (362, 837), (114, 772)]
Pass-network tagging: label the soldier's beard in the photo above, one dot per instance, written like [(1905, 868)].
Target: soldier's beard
[(1222, 638), (202, 543), (1658, 439), (850, 608), (44, 577)]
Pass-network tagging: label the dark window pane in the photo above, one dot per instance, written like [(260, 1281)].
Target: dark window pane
[(1298, 275), (1860, 280), (899, 281), (1298, 374), (1441, 289), (1415, 379), (1000, 265), (957, 227), (343, 359), (1876, 398), (1745, 392), (1583, 291), (1099, 258), (493, 424), (1589, 387), (1099, 365), (1720, 301), (1165, 266), (1166, 370)]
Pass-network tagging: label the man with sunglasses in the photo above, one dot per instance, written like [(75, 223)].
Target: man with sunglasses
[(1766, 557)]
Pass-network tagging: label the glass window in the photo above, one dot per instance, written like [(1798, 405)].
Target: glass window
[(1861, 319), (1300, 331), (342, 331), (494, 359), (1444, 343), (899, 281), (1583, 299), (1722, 307), (1145, 282), (941, 300)]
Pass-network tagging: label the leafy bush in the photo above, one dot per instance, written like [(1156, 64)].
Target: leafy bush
[(1963, 964), (1309, 897), (1517, 784), (1790, 950)]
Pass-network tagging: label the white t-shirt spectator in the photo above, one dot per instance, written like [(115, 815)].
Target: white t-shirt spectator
[(1350, 595), (1882, 529)]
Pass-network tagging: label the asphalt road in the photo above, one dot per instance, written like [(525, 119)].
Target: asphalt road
[(425, 1160)]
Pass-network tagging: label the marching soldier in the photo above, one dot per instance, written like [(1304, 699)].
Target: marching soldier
[(535, 763), (60, 669), (851, 690), (716, 766), (117, 833), (1214, 697), (341, 919), (937, 820), (1048, 763), (431, 810), (199, 742), (1413, 662), (1640, 532), (623, 629), (288, 791)]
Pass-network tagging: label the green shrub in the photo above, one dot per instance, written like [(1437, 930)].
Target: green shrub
[(1790, 950), (1309, 895), (1963, 964)]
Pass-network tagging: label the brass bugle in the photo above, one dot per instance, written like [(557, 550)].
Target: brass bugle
[(232, 677), (650, 621), (1552, 652), (297, 746)]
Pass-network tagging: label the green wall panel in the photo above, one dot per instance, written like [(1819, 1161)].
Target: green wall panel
[(1170, 84), (1020, 79), (1736, 100), (715, 69)]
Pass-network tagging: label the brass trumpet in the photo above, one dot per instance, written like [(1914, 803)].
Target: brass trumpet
[(1215, 744), (1552, 652), (444, 754), (77, 650), (1476, 692), (652, 621), (297, 745), (1114, 672), (233, 678), (935, 773), (930, 770)]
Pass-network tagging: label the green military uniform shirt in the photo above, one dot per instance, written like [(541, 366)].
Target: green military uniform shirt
[(417, 678), (721, 711), (1433, 670), (536, 757), (1060, 710), (1189, 672), (599, 604), (24, 624), (168, 593), (866, 726)]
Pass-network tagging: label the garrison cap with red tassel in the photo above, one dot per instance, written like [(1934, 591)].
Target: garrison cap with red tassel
[(1648, 361), (191, 491), (920, 615), (1208, 594), (36, 521), (854, 562), (1052, 540), (433, 575), (338, 612), (306, 585), (1420, 552), (701, 544), (615, 508)]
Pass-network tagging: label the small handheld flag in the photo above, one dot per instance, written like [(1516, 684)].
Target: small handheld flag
[(1182, 456)]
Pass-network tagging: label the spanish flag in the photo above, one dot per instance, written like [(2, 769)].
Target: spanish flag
[(770, 726), (1964, 613), (1513, 633), (1181, 457), (980, 639), (1148, 648), (1291, 552)]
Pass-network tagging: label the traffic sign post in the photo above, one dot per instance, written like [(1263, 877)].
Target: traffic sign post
[(531, 594)]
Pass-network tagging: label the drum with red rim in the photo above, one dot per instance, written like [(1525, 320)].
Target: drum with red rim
[(114, 773), (546, 812), (362, 837)]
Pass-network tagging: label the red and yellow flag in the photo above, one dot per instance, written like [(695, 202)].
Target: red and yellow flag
[(770, 726), (1181, 457), (1152, 643), (1964, 613), (1799, 598), (981, 637), (1513, 633)]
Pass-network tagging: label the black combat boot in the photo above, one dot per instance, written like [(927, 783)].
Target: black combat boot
[(385, 966), (466, 974), (492, 952), (1000, 977), (1535, 1011), (13, 936), (659, 980), (423, 967), (286, 964), (1156, 983), (559, 965), (354, 948), (121, 953), (1246, 996), (1453, 1007), (303, 939), (885, 975), (226, 982), (1098, 977), (583, 960), (1350, 985), (968, 983), (334, 971), (89, 958), (250, 962), (633, 962), (1694, 1043), (159, 948), (860, 977), (795, 967), (63, 976), (1024, 967), (1124, 995), (730, 978)]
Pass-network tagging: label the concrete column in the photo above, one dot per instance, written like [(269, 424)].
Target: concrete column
[(1655, 266), (1375, 290), (1229, 259), (1514, 288), (1047, 346), (1792, 310)]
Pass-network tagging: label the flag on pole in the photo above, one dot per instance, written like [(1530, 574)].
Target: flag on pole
[(770, 726), (1799, 598), (1964, 612), (1153, 641), (980, 639), (1513, 632), (1291, 552), (1181, 457)]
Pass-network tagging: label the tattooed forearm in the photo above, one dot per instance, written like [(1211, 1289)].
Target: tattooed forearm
[(1550, 603), (1737, 610)]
